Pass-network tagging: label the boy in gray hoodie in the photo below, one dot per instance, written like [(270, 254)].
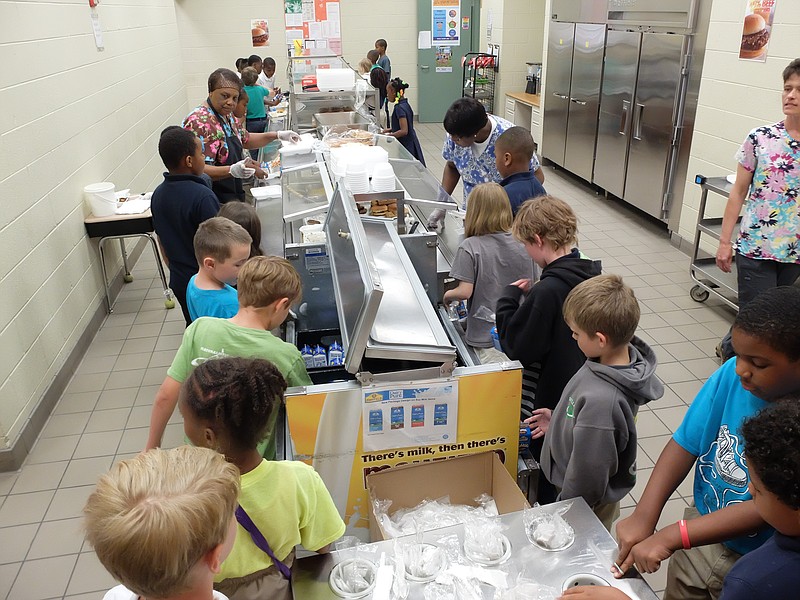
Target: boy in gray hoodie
[(590, 442)]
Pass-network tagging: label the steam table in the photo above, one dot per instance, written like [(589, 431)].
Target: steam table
[(121, 227)]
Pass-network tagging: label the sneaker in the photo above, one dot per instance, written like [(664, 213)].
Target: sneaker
[(727, 466)]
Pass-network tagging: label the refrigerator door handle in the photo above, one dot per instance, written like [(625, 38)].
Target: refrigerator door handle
[(562, 96), (623, 123), (576, 101), (637, 121)]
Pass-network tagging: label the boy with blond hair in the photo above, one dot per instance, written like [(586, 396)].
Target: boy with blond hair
[(529, 320), (268, 286), (590, 443), (163, 522), (221, 248)]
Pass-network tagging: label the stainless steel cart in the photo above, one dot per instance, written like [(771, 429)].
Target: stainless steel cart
[(704, 271)]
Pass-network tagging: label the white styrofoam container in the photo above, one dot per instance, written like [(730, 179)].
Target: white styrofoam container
[(333, 80)]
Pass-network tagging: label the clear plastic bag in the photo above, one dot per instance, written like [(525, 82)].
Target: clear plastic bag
[(484, 314), (354, 575), (339, 135), (429, 514), (361, 93), (484, 541), (547, 529)]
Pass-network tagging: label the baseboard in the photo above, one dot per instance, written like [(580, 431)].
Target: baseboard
[(12, 458), (681, 243)]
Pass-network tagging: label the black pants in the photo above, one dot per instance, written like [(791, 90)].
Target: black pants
[(754, 276)]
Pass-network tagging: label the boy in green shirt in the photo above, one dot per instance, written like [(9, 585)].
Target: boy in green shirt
[(267, 286)]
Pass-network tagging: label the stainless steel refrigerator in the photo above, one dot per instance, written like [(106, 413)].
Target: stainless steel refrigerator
[(572, 92), (638, 126), (621, 94)]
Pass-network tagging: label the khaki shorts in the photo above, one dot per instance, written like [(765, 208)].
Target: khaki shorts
[(268, 583), (607, 513), (697, 573)]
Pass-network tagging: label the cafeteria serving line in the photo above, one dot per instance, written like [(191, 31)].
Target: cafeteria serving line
[(104, 413)]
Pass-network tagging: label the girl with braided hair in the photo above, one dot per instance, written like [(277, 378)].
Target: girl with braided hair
[(228, 404), (403, 119)]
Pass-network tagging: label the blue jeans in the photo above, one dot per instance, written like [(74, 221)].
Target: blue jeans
[(256, 126), (753, 277)]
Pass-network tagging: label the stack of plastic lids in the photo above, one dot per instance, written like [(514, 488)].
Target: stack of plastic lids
[(356, 178), (383, 178)]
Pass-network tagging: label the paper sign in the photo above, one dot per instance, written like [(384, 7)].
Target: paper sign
[(445, 17), (413, 414), (97, 30), (757, 29), (424, 40), (464, 22), (444, 59)]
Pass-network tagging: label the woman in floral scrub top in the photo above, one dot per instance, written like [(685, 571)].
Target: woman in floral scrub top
[(767, 185), (224, 138), (469, 147)]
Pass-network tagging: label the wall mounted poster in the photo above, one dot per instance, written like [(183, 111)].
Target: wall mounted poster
[(444, 59), (316, 24), (756, 29), (445, 17), (259, 28)]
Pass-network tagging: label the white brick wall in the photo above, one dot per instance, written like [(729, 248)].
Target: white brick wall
[(735, 96), (71, 115), (212, 38)]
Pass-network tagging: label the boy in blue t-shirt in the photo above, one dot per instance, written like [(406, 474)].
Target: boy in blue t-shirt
[(179, 205), (772, 450), (221, 248), (766, 336)]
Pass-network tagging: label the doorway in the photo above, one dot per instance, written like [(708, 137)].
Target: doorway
[(439, 67)]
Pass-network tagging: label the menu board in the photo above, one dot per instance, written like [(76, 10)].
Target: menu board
[(313, 24)]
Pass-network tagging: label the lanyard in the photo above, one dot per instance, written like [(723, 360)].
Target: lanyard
[(259, 540)]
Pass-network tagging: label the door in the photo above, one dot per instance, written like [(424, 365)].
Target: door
[(616, 98), (584, 98), (652, 120), (438, 90), (556, 105)]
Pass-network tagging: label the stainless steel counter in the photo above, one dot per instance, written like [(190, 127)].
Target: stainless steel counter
[(592, 553), (405, 316)]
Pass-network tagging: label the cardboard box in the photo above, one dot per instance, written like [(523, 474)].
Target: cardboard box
[(462, 479)]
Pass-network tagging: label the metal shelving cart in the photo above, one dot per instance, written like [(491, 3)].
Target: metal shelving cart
[(708, 277), (479, 74)]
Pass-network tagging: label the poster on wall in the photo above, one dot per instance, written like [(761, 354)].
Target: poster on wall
[(756, 29), (415, 414), (445, 17), (259, 28), (444, 59), (313, 25)]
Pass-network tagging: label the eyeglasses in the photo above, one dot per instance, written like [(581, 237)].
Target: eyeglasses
[(465, 138)]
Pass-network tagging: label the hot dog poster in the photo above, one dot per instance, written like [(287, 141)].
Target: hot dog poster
[(756, 29)]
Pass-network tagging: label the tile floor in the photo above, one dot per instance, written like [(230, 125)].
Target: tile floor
[(104, 413)]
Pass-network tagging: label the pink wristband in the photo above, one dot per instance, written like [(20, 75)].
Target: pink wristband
[(684, 534)]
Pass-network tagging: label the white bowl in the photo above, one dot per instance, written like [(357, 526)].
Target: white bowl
[(383, 170)]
